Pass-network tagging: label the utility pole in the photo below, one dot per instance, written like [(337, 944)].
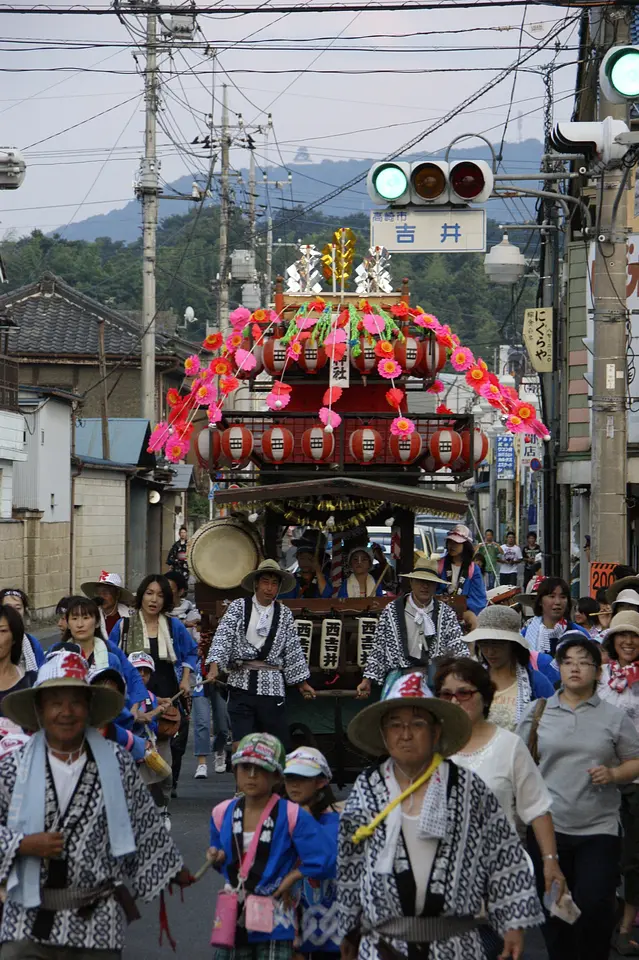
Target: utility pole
[(223, 285), (251, 200), (269, 258), (147, 190), (609, 426)]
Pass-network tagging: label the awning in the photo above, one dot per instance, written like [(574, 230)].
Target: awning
[(442, 502)]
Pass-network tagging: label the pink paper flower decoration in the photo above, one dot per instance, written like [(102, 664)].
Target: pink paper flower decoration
[(336, 336), (239, 317), (389, 369), (205, 394), (539, 429), (490, 391), (437, 386), (244, 359), (329, 418), (373, 323), (192, 365), (306, 323), (176, 449), (402, 427), (294, 350), (277, 401), (159, 437), (215, 414), (516, 425), (428, 322), (233, 341), (462, 359)]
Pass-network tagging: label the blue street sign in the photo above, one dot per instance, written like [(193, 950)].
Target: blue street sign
[(505, 457)]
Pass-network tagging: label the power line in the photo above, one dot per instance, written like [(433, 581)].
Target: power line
[(231, 12)]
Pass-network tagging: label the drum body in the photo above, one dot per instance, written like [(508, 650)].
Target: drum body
[(223, 551)]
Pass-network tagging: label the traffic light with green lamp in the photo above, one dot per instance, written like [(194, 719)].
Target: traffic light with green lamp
[(619, 75), (430, 182)]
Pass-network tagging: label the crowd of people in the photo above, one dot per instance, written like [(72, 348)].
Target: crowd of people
[(500, 793)]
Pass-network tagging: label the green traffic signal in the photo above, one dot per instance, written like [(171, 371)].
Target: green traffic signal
[(623, 72), (390, 182)]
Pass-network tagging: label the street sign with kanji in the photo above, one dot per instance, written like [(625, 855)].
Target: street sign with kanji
[(538, 338), (433, 230)]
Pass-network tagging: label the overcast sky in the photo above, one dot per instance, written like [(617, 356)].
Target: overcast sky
[(91, 168)]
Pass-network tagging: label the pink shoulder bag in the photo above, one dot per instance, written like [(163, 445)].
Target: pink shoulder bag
[(258, 910)]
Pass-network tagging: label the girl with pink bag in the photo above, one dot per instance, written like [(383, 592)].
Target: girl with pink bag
[(262, 844)]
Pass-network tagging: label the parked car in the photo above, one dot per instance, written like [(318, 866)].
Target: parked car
[(424, 541), (437, 529)]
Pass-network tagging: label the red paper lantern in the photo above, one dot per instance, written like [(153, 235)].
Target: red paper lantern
[(480, 449), (237, 443), (312, 358), (318, 445), (278, 444), (205, 439), (274, 356), (432, 359), (406, 449), (445, 447), (365, 445), (258, 353), (408, 353), (367, 360)]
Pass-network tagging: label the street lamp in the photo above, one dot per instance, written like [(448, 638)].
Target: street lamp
[(504, 263)]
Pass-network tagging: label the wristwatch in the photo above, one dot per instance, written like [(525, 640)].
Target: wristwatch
[(550, 856)]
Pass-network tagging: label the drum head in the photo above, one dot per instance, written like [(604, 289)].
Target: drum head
[(222, 554)]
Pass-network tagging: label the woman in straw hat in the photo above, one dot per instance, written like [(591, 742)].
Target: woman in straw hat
[(414, 629), (257, 645), (423, 844), (519, 674), (76, 824)]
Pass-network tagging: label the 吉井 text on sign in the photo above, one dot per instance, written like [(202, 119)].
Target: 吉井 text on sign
[(440, 230)]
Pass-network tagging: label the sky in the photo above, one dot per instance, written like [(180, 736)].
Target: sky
[(61, 71)]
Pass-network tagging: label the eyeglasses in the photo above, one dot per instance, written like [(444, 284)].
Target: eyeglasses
[(415, 726), (582, 664), (462, 696)]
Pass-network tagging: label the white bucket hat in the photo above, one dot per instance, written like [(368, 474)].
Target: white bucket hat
[(106, 579), (497, 622)]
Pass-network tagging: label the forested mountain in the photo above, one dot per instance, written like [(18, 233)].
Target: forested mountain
[(452, 286)]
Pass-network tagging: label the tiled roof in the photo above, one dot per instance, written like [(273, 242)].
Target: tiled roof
[(54, 319)]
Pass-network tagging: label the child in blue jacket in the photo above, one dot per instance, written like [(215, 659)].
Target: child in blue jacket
[(307, 777), (291, 847)]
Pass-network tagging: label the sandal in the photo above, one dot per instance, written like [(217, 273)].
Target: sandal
[(626, 944)]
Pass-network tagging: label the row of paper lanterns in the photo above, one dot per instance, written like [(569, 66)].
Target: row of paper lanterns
[(418, 358), (446, 448)]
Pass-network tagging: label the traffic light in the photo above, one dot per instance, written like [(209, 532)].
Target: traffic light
[(619, 74), (592, 139), (430, 182)]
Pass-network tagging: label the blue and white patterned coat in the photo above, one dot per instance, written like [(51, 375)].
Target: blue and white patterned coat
[(390, 646), (281, 649), (479, 861)]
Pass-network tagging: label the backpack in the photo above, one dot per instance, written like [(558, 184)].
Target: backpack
[(219, 811)]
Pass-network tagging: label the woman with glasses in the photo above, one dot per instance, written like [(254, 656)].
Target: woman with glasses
[(500, 758), (519, 675), (586, 748)]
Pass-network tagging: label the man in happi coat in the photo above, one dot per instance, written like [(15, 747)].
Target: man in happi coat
[(414, 631), (80, 837), (257, 645)]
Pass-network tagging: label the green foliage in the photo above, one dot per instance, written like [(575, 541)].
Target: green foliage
[(454, 288)]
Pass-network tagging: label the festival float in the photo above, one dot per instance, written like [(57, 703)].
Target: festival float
[(334, 449)]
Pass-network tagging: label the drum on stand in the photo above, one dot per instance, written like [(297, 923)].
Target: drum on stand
[(223, 551)]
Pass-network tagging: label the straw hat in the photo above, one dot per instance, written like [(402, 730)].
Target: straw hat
[(106, 579), (409, 690), (272, 568), (64, 670), (425, 569), (497, 622), (627, 621), (626, 583)]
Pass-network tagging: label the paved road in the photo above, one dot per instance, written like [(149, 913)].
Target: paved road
[(190, 921)]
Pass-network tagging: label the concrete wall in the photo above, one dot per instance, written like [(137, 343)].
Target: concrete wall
[(35, 557), (6, 488), (100, 524), (12, 452)]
